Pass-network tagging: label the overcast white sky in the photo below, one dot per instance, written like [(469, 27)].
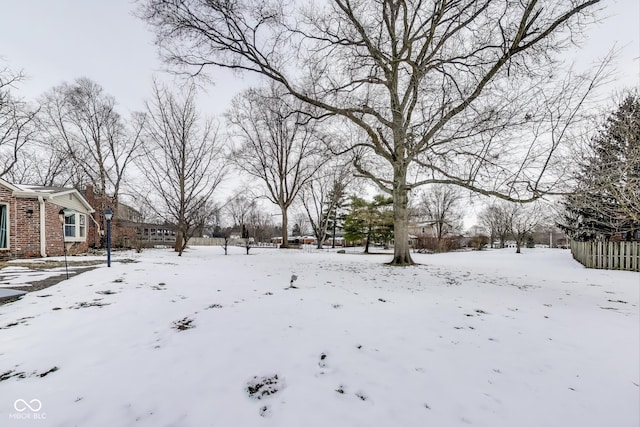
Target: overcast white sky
[(56, 41)]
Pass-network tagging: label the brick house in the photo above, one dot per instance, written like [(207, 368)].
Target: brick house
[(128, 228), (30, 221), (124, 224)]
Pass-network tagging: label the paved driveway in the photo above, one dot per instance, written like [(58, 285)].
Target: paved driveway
[(16, 279)]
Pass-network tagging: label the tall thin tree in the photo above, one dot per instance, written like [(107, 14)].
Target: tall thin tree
[(276, 144), (183, 160)]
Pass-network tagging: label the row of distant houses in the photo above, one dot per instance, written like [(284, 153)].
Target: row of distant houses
[(38, 221)]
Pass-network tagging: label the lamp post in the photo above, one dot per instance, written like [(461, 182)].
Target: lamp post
[(64, 246), (108, 214)]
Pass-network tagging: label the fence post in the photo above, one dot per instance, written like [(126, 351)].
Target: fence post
[(624, 256)]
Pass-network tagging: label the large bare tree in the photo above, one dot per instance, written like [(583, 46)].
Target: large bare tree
[(80, 120), (276, 144), (443, 89), (183, 160), (16, 121)]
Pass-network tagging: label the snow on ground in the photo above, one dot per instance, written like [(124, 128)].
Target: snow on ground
[(478, 338), (23, 276), (18, 276)]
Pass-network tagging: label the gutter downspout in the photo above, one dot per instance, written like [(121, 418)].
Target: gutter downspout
[(43, 230)]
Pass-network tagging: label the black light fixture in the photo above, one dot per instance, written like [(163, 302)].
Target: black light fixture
[(29, 213), (108, 215)]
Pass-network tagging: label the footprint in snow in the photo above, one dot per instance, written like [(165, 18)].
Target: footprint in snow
[(322, 362)]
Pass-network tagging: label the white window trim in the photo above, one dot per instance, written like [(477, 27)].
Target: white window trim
[(8, 226), (77, 237)]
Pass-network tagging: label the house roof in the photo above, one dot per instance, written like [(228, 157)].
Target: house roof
[(50, 193), (43, 189)]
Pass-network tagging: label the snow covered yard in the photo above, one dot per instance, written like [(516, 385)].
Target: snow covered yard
[(479, 338)]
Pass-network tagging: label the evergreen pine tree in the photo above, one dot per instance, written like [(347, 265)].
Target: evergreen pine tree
[(337, 202), (606, 201)]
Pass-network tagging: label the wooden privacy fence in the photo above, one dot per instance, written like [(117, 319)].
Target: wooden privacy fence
[(607, 255)]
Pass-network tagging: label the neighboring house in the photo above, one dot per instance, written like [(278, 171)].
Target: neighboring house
[(421, 228), (156, 234), (295, 240), (30, 224), (124, 225), (128, 228)]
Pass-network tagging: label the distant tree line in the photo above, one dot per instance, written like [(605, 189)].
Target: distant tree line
[(170, 160)]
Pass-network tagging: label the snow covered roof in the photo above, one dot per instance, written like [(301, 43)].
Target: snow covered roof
[(42, 189)]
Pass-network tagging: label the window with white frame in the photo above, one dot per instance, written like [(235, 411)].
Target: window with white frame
[(75, 226), (82, 225), (4, 226)]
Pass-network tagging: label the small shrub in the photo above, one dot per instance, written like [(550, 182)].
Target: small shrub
[(428, 244), (479, 242)]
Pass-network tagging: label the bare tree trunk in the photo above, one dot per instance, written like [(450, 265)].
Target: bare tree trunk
[(225, 246), (335, 227), (366, 243), (285, 231), (401, 251), (178, 243)]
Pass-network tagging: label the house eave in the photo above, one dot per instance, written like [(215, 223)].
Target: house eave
[(8, 185), (53, 197)]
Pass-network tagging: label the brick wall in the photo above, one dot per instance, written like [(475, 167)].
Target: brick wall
[(24, 229), (122, 230), (54, 230), (55, 234), (25, 219)]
